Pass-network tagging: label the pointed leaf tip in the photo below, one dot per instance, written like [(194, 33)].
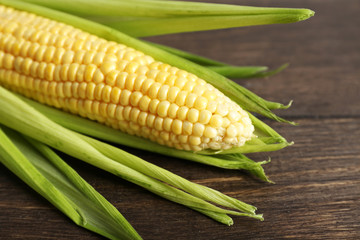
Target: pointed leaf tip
[(288, 105), (310, 13)]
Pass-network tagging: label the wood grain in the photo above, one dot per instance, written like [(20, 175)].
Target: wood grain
[(317, 190)]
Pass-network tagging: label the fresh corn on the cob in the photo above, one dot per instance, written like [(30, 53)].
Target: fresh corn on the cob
[(67, 68)]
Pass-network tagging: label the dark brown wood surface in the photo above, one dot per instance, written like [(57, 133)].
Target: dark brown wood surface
[(317, 190)]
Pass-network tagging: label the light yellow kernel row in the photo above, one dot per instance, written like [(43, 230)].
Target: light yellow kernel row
[(139, 119), (106, 94), (156, 127), (60, 54), (78, 72), (162, 108)]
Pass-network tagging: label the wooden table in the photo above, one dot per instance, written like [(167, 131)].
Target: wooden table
[(317, 190)]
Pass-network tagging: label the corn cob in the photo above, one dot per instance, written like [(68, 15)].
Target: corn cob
[(67, 68)]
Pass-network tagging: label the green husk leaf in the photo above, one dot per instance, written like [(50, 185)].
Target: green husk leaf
[(222, 218), (146, 27), (240, 71), (39, 167), (156, 172), (19, 116), (103, 132), (203, 61), (143, 18), (226, 70), (248, 72), (245, 98), (158, 9)]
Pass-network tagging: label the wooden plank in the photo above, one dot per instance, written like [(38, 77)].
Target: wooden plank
[(316, 194)]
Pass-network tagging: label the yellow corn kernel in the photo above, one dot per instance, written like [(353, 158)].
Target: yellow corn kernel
[(80, 74), (189, 86), (138, 82), (59, 90), (161, 77), (8, 61), (153, 106), (67, 57), (90, 91), (150, 120), (146, 85), (134, 114), (193, 115), (182, 113), (119, 113), (209, 95), (158, 124), (171, 80), (226, 122), (126, 113), (194, 140), (212, 105), (231, 131), (142, 118), (130, 81), (121, 80), (205, 116), (110, 78), (98, 91), (216, 121), (198, 129), (154, 90), (79, 56), (167, 124), (58, 55), (103, 110), (181, 98), (183, 138), (132, 67), (106, 91), (176, 127), (75, 90), (164, 136), (187, 128), (163, 92), (200, 103), (115, 95), (173, 109), (144, 103), (163, 108), (98, 58), (107, 67), (135, 98), (125, 97), (98, 76), (81, 89), (88, 57)]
